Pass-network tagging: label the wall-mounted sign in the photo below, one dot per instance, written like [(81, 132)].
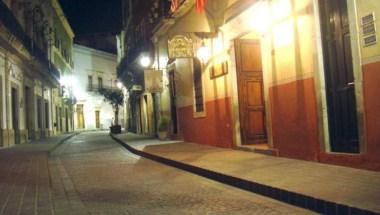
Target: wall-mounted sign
[(369, 29), (180, 46), (218, 70), (153, 80), (136, 88)]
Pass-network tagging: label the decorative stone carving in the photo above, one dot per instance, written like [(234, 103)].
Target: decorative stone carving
[(180, 46)]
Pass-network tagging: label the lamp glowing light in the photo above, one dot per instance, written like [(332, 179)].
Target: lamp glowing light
[(119, 85), (67, 80), (261, 19), (203, 53), (145, 61)]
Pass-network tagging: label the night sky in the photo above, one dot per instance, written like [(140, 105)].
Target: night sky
[(94, 22)]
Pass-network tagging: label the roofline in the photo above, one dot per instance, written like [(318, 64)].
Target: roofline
[(83, 48), (61, 15)]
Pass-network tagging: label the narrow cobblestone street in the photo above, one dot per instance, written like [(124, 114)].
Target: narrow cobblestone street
[(101, 177), (92, 174)]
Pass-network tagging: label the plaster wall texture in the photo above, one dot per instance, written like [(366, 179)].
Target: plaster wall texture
[(98, 64)]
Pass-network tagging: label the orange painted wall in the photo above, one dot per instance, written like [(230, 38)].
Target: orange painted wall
[(214, 129), (371, 80), (295, 123), (370, 159), (294, 119)]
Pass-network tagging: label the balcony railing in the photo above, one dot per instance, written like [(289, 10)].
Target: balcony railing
[(12, 24), (140, 31)]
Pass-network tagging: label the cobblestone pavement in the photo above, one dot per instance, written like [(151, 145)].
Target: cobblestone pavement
[(24, 178), (91, 174), (343, 185)]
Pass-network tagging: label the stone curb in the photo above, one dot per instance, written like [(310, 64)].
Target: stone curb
[(289, 197)]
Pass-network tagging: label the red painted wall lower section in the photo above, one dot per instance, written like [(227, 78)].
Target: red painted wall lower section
[(214, 129), (370, 159), (294, 116), (295, 122), (371, 80), (294, 119)]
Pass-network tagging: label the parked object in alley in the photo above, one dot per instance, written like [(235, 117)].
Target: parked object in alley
[(163, 125), (115, 98)]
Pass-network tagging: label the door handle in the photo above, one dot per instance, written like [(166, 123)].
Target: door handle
[(349, 85)]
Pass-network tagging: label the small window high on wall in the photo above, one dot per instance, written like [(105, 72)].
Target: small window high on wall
[(100, 82), (89, 86), (198, 86)]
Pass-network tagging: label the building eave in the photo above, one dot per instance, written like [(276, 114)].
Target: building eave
[(61, 15)]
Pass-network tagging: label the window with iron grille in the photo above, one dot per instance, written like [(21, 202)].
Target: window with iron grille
[(198, 86), (89, 86)]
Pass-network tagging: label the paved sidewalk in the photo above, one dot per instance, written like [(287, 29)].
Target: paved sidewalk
[(100, 177), (25, 178), (320, 187)]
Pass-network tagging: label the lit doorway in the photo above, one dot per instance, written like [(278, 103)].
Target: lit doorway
[(80, 117), (97, 119), (251, 93)]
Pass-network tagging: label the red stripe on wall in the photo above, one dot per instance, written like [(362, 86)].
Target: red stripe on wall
[(370, 157), (214, 129), (294, 119)]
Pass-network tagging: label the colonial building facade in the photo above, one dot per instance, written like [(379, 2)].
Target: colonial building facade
[(31, 98), (94, 70), (293, 78)]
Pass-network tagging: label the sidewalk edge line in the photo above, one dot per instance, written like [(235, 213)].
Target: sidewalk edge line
[(288, 197), (62, 141)]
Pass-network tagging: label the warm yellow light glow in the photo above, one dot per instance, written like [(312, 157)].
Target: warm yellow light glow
[(145, 61), (260, 18), (119, 85), (283, 34), (203, 53), (67, 80), (217, 45), (281, 9)]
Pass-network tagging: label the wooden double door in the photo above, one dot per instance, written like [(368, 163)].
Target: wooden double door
[(250, 91)]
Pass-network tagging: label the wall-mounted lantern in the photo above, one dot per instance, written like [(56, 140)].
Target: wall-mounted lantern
[(203, 53), (145, 61), (119, 85)]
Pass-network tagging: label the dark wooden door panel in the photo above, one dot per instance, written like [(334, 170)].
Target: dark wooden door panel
[(250, 89), (339, 77), (173, 106)]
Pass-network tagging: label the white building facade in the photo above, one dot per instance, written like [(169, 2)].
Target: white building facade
[(94, 70)]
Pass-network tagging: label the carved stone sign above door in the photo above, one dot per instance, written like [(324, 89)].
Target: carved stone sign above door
[(180, 46)]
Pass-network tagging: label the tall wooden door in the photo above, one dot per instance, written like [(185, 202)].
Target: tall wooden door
[(97, 119), (67, 119), (15, 115), (28, 108), (80, 117), (340, 88), (250, 90), (173, 106)]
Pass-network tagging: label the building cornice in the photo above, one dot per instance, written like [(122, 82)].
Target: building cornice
[(61, 15), (88, 50)]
